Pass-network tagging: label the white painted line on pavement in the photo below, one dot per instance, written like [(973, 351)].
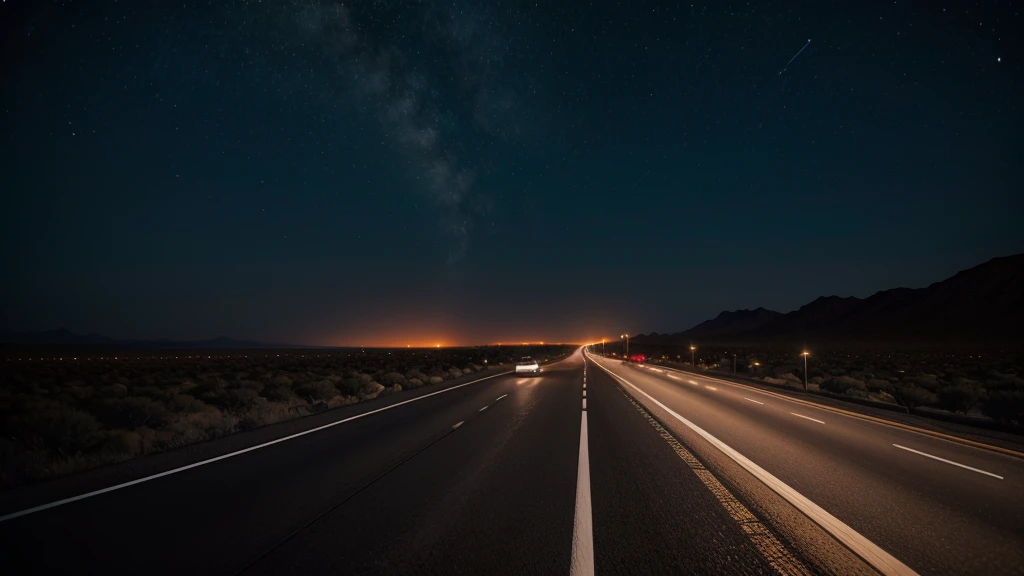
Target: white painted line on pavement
[(710, 387), (948, 461), (232, 454), (866, 549), (864, 417), (484, 408), (673, 376), (752, 400), (584, 393), (584, 403), (457, 424), (807, 417), (583, 524), (500, 397), (693, 382)]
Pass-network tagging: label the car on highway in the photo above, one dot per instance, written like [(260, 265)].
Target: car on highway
[(527, 366)]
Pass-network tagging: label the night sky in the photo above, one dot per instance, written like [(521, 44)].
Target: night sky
[(396, 173)]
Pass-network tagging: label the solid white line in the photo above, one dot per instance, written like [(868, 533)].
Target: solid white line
[(710, 387), (500, 397), (807, 417), (948, 461), (866, 549), (232, 454), (583, 523), (457, 424), (754, 401)]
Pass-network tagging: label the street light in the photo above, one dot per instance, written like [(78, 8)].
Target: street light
[(805, 354), (693, 364), (626, 336)]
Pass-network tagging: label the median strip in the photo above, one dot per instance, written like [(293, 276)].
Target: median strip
[(582, 559), (948, 461)]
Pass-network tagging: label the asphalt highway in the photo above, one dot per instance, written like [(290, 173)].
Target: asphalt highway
[(583, 469), (937, 506)]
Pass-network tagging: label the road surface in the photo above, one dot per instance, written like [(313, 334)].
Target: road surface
[(576, 471)]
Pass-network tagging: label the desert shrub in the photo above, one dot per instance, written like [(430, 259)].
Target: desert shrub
[(927, 381), (414, 383), (436, 379), (393, 378), (242, 398), (282, 380), (59, 428), (199, 426), (417, 374), (113, 390), (372, 390), (960, 397), (882, 396), (278, 393), (792, 379), (351, 386), (844, 385), (317, 390), (454, 372), (911, 396), (123, 442), (1005, 405), (186, 403), (875, 385)]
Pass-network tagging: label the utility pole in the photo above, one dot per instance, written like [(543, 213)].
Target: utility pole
[(733, 362), (693, 363), (805, 354)]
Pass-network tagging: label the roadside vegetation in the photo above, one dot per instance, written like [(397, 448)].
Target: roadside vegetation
[(974, 384), (64, 411)]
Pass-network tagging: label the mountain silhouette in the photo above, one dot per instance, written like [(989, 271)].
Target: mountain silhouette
[(982, 304)]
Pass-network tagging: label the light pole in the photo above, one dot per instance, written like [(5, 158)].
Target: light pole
[(693, 364), (805, 354), (602, 345), (626, 336)]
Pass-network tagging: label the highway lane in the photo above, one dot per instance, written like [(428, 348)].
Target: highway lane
[(499, 499), (935, 516), (216, 518), (480, 479)]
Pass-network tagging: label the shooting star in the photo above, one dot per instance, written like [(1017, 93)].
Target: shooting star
[(794, 57), (640, 180)]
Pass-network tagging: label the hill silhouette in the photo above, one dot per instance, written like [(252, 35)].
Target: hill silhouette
[(983, 303)]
